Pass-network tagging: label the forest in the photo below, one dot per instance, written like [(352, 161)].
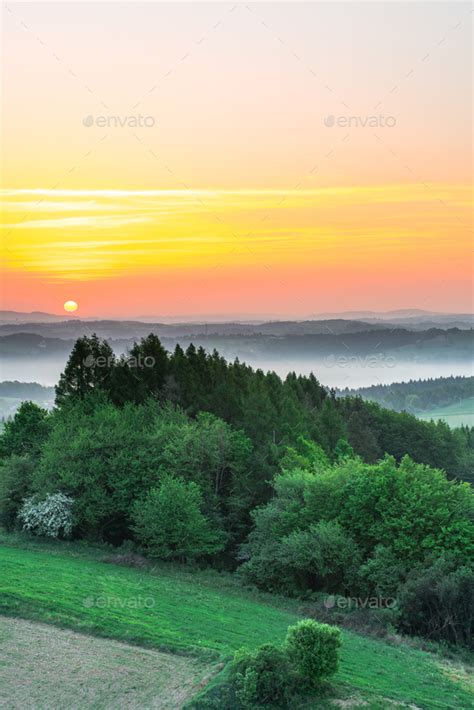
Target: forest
[(187, 457)]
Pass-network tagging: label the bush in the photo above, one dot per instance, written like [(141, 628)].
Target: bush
[(438, 603), (51, 517), (170, 524), (353, 525), (383, 572), (314, 650), (272, 676), (263, 677)]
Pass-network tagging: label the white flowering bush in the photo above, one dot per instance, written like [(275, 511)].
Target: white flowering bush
[(51, 517)]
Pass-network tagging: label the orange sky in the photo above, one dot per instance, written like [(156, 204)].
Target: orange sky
[(240, 196)]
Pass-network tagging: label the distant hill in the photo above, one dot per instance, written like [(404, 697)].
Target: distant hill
[(23, 344), (33, 317), (26, 390), (348, 321), (410, 318), (406, 344), (419, 396), (136, 329), (13, 393), (390, 315), (455, 415)]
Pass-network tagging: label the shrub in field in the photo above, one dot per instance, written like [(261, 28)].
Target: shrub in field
[(263, 677), (51, 517), (273, 676), (314, 650)]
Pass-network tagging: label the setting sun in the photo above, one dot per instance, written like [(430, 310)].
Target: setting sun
[(70, 306)]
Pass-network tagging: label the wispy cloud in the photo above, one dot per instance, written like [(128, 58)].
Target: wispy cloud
[(178, 229), (91, 221)]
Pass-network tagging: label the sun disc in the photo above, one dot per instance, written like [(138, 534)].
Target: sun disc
[(70, 306)]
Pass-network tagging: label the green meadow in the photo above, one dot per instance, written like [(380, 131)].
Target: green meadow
[(456, 415), (204, 617)]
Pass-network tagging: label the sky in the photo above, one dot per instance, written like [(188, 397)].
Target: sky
[(197, 159)]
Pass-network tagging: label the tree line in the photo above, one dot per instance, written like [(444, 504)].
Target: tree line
[(271, 411)]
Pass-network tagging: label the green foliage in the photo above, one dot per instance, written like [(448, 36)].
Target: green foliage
[(383, 572), (314, 650), (16, 474), (263, 677), (373, 431), (361, 433), (209, 452), (357, 528), (107, 457), (324, 525), (274, 414), (169, 522), (306, 454), (343, 450), (270, 676), (104, 457), (320, 557), (333, 427), (411, 508), (438, 602), (89, 367), (26, 432), (140, 374), (178, 449)]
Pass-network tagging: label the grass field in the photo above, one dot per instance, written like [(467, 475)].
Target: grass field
[(456, 415), (207, 616), (89, 672)]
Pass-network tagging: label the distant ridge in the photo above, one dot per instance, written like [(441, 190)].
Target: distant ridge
[(32, 317), (388, 315), (241, 319)]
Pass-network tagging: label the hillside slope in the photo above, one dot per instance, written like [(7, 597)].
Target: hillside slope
[(205, 616)]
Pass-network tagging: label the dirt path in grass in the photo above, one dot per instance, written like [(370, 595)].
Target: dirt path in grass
[(42, 666)]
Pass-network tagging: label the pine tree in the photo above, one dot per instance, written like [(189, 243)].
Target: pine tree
[(89, 367)]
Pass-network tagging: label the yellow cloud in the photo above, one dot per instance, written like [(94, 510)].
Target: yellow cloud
[(164, 229)]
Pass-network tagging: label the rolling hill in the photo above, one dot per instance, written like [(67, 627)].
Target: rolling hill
[(203, 617)]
